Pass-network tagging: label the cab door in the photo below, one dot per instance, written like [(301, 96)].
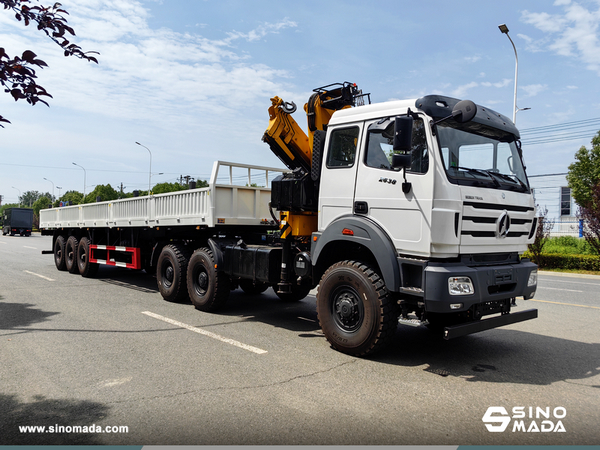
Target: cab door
[(379, 188)]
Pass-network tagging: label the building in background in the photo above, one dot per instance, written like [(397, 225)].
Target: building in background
[(551, 191)]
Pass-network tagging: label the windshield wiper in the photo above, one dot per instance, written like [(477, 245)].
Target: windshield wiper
[(481, 172), (504, 176)]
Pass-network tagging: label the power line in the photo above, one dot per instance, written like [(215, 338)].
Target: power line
[(568, 131)]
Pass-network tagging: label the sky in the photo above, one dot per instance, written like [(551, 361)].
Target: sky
[(191, 80)]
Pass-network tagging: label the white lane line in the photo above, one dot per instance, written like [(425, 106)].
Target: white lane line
[(557, 289), (206, 333), (2, 242), (38, 275), (33, 248)]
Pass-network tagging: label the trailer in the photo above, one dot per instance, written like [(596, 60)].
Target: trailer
[(407, 212), (17, 221)]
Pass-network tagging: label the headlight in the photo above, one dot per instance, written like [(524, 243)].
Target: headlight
[(460, 286), (532, 281)]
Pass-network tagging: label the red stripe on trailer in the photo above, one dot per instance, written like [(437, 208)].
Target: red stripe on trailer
[(136, 260)]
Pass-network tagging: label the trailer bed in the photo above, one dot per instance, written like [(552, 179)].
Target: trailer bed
[(223, 202)]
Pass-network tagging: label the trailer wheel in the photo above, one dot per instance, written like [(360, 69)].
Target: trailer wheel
[(207, 287), (171, 271), (59, 253), (86, 268), (354, 308), (71, 254), (253, 287)]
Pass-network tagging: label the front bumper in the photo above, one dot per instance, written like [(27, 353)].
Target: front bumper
[(454, 331), (490, 284)]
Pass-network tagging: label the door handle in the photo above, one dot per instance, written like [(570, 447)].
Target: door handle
[(361, 207)]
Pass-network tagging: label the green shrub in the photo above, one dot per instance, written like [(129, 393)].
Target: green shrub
[(567, 261)]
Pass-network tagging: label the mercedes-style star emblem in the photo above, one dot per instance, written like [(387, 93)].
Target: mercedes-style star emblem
[(502, 225)]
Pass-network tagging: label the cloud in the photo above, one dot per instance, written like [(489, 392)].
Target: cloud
[(532, 90), (263, 30), (573, 34), (158, 76), (472, 59), (505, 82), (461, 91)]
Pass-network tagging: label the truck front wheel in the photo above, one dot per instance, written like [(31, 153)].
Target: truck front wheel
[(207, 287), (71, 254), (171, 270), (354, 308)]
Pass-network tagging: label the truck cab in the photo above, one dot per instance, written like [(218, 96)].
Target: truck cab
[(446, 228)]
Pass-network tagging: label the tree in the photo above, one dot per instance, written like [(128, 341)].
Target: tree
[(590, 213), (542, 232), (105, 192), (17, 74), (30, 197), (162, 188), (73, 197), (584, 173), (41, 203)]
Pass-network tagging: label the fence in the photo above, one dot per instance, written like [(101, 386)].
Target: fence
[(567, 227)]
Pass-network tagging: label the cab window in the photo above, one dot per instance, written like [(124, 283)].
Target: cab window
[(380, 146), (342, 147)]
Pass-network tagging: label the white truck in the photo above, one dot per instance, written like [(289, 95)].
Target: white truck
[(407, 211)]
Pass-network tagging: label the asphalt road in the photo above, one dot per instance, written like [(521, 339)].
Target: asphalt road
[(110, 351)]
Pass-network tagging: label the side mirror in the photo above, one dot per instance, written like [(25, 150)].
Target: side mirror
[(399, 160), (464, 111), (403, 127)]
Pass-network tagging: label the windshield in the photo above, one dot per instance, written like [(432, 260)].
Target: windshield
[(481, 156)]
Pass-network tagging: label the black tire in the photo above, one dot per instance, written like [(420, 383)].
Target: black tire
[(171, 272), (208, 288), (297, 294), (59, 253), (355, 310), (86, 268), (71, 254), (253, 287)]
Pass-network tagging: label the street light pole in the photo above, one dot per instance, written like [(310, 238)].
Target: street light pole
[(150, 170), (504, 29), (19, 195), (52, 187), (84, 175)]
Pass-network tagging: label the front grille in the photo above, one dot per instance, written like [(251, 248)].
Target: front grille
[(481, 221)]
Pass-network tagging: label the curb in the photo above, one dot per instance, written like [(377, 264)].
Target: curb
[(570, 275)]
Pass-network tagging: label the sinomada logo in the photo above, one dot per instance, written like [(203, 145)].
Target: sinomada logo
[(526, 419)]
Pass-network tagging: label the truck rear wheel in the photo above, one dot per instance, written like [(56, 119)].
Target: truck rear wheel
[(207, 287), (71, 254), (171, 272), (354, 308), (59, 253), (86, 268)]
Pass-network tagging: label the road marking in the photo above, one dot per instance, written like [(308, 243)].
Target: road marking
[(38, 275), (308, 320), (206, 333), (570, 282), (558, 289), (26, 246), (567, 304)]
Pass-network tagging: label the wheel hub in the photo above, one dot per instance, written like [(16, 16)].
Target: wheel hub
[(169, 275), (347, 310), (203, 281)]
